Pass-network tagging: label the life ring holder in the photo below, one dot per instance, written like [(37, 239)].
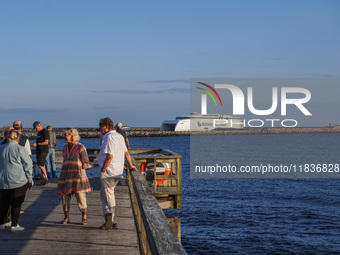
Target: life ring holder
[(143, 170)]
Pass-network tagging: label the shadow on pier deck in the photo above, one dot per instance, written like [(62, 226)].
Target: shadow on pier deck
[(44, 234), (142, 226)]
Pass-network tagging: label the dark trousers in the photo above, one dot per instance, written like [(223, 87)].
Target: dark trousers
[(12, 198)]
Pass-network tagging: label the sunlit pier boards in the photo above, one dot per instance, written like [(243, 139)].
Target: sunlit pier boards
[(142, 226)]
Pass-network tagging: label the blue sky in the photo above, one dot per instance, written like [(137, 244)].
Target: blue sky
[(69, 63)]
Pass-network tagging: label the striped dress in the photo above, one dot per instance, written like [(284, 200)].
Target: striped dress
[(73, 177)]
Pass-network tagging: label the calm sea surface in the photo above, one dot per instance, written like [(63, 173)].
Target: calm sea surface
[(257, 216)]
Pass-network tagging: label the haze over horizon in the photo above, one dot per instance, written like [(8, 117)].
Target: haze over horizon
[(69, 63)]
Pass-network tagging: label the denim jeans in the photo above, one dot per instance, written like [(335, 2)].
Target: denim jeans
[(50, 160), (37, 171)]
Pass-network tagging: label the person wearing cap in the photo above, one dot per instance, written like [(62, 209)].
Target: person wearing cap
[(50, 159), (42, 149), (119, 129), (111, 160), (23, 140)]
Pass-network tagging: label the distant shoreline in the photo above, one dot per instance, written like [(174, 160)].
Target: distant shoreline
[(154, 132)]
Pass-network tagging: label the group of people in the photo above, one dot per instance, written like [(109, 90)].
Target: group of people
[(16, 171)]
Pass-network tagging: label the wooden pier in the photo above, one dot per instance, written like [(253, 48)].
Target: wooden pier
[(44, 234), (142, 226)]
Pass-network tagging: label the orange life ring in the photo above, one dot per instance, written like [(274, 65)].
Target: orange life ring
[(143, 167), (167, 172)]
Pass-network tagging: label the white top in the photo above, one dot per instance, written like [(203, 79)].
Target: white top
[(114, 144), (28, 147)]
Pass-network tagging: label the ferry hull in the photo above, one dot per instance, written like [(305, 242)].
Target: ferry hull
[(202, 124)]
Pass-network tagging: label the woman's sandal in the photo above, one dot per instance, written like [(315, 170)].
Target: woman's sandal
[(84, 222), (65, 221)]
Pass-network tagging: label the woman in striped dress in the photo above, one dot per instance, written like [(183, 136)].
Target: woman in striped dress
[(73, 179)]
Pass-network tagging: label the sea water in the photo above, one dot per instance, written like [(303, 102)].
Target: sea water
[(256, 216)]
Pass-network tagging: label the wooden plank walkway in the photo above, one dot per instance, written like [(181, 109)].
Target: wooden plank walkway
[(44, 234)]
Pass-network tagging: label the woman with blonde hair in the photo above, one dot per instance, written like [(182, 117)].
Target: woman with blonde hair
[(15, 179), (73, 179)]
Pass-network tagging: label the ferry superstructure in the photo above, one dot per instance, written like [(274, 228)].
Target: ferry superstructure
[(198, 122)]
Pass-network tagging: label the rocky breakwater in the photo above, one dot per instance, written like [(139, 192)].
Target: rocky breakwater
[(60, 134), (243, 131), (94, 133), (265, 131)]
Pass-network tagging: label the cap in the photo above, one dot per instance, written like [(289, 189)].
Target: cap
[(35, 124), (17, 124), (119, 125)]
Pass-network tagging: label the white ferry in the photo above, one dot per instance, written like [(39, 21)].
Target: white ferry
[(198, 122)]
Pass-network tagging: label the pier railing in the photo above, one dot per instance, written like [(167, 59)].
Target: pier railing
[(155, 234), (59, 157), (167, 188), (169, 192)]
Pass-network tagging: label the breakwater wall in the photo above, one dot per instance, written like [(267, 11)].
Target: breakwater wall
[(265, 131), (87, 129), (154, 132)]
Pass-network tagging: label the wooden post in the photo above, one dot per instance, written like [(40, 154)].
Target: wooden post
[(175, 223), (179, 184)]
